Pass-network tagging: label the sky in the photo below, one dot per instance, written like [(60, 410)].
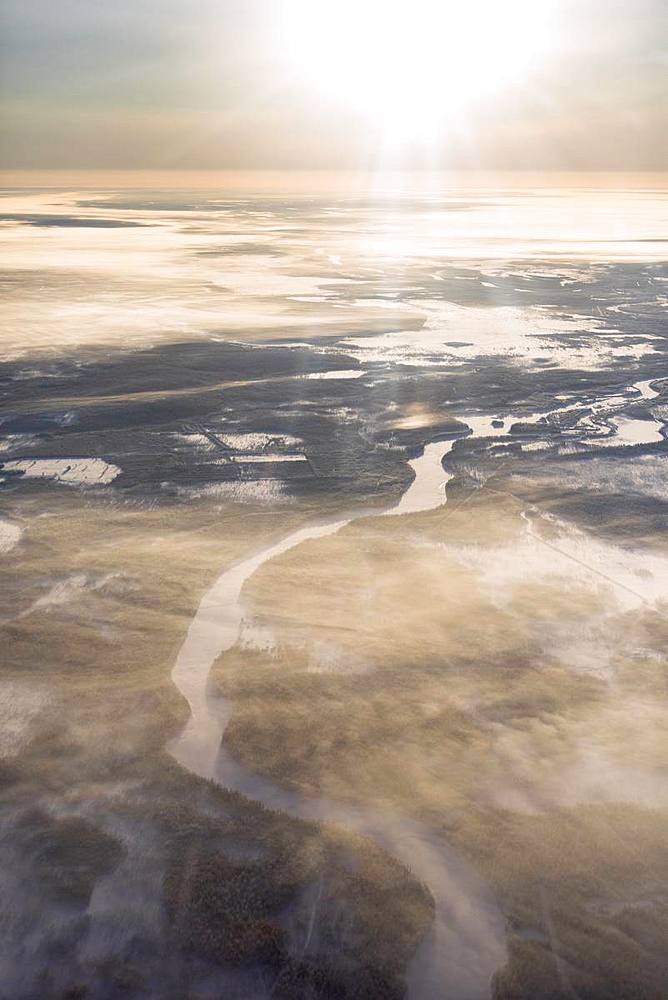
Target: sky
[(222, 84)]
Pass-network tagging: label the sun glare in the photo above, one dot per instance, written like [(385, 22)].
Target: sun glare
[(412, 68)]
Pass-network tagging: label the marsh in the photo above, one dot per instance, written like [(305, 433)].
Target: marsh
[(334, 555)]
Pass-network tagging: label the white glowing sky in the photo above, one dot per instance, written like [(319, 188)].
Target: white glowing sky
[(303, 84), (415, 68)]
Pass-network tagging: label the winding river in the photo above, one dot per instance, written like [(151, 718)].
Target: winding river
[(466, 944)]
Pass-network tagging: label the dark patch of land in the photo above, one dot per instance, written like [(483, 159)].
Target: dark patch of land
[(43, 220)]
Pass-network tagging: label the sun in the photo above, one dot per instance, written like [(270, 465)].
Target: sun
[(412, 67)]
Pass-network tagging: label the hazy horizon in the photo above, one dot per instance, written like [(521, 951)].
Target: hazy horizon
[(216, 85), (324, 181)]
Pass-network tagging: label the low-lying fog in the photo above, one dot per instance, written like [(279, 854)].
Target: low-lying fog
[(334, 592)]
